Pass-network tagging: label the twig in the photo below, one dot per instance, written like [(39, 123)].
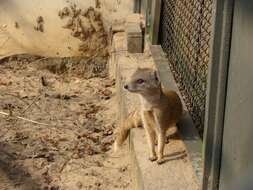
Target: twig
[(33, 102), (41, 59), (95, 55), (16, 96), (68, 160), (118, 51), (25, 119)]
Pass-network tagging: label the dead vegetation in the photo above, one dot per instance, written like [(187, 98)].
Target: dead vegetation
[(70, 151), (39, 24), (87, 26)]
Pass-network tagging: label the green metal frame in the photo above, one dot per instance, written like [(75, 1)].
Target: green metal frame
[(155, 21), (137, 6), (216, 91)]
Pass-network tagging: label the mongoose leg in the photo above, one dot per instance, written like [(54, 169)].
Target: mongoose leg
[(161, 134), (161, 144), (151, 142), (150, 135)]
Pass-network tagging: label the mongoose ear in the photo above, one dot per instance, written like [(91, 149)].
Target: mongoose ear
[(156, 76)]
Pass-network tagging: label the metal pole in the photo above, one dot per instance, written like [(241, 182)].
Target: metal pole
[(216, 91)]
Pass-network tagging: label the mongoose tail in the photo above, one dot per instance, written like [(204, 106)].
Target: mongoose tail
[(132, 121)]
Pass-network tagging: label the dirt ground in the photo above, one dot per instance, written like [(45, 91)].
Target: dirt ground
[(63, 136)]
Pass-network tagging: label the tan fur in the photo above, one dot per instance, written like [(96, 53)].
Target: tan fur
[(159, 110), (158, 119), (132, 121)]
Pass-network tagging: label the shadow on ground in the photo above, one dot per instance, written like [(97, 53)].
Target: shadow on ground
[(17, 175)]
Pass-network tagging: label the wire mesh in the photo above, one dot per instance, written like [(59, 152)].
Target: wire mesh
[(185, 35)]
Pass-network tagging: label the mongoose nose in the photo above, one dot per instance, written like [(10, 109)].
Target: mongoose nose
[(126, 86)]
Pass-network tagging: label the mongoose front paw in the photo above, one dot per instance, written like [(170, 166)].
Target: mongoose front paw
[(167, 141), (160, 161), (152, 158)]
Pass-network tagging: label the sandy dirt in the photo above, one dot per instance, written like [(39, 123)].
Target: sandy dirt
[(73, 102)]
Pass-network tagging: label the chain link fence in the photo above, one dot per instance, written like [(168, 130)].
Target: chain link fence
[(185, 34)]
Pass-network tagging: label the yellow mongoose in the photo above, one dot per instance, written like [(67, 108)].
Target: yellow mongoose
[(159, 110)]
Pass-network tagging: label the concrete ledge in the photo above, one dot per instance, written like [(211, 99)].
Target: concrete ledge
[(187, 129), (128, 102), (177, 172)]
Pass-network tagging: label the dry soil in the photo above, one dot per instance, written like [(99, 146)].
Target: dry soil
[(63, 136)]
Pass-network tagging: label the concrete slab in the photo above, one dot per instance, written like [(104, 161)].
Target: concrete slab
[(134, 38)]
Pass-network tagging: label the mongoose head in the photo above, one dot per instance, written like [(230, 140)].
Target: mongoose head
[(143, 81)]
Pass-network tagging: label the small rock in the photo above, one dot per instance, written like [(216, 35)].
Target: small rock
[(16, 25), (110, 83), (69, 23), (107, 92), (5, 82), (54, 188), (86, 174), (104, 148), (45, 187), (44, 82), (97, 4), (64, 12), (93, 173), (50, 157), (79, 185), (40, 19), (98, 184), (123, 169), (99, 164), (125, 185), (75, 156), (108, 132)]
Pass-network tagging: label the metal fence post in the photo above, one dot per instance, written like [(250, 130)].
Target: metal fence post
[(137, 6), (216, 91), (155, 21)]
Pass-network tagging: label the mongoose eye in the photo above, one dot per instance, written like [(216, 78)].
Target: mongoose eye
[(140, 81)]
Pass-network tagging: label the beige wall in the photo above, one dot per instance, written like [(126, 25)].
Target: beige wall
[(116, 9), (55, 40)]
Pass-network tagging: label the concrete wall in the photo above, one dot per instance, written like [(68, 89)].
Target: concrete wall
[(116, 10), (55, 40)]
